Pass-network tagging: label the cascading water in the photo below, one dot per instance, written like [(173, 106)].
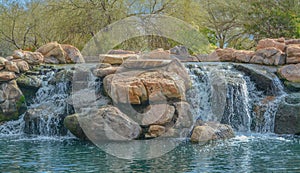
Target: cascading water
[(46, 109), (221, 93), (49, 106)]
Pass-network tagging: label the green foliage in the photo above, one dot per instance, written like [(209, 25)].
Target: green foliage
[(29, 24)]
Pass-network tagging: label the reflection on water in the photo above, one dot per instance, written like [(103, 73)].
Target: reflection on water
[(245, 153)]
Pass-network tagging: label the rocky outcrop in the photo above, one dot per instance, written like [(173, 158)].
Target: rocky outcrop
[(287, 120), (136, 87), (32, 58), (208, 131), (12, 101), (55, 53)]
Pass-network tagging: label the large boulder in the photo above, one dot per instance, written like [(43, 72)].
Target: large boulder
[(12, 101), (73, 55), (53, 50), (106, 123), (153, 86), (293, 54), (205, 132), (287, 119), (290, 72), (267, 43), (268, 56)]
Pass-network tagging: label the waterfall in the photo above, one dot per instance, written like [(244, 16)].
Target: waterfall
[(267, 125), (219, 93), (49, 106)]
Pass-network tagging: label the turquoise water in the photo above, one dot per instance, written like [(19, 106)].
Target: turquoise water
[(245, 153)]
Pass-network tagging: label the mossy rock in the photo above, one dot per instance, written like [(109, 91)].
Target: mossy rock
[(72, 124), (292, 86)]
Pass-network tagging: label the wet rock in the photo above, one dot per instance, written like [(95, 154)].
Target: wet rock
[(211, 131), (12, 101), (155, 131), (268, 43), (184, 115), (293, 54), (71, 123), (109, 123), (29, 81), (261, 75), (287, 119), (290, 72)]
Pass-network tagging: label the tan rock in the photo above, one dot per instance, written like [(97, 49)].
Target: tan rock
[(290, 72), (225, 55), (11, 66), (268, 56), (53, 49), (22, 65), (292, 41), (51, 60), (109, 123), (293, 54), (2, 61), (211, 131), (243, 56), (120, 51), (155, 131), (268, 43), (158, 114), (116, 59), (184, 115), (102, 72), (73, 55), (6, 76), (33, 58), (18, 54), (156, 54)]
